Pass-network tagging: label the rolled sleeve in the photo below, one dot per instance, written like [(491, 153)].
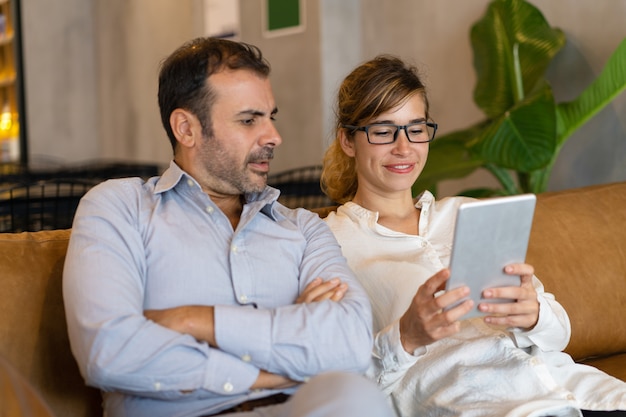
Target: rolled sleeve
[(245, 333), (389, 359)]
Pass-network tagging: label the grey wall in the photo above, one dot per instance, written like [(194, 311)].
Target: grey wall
[(132, 39), (91, 76), (296, 79), (61, 81), (91, 71)]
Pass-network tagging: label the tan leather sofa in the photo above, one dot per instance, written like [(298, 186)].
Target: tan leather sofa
[(578, 247)]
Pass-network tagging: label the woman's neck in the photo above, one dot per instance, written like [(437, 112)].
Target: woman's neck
[(394, 212)]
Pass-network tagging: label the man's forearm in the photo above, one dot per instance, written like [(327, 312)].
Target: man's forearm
[(197, 321), (268, 380)]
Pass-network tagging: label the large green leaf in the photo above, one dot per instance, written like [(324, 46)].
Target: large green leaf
[(524, 138), (508, 30), (609, 84)]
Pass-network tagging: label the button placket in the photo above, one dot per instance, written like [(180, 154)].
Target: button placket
[(241, 275)]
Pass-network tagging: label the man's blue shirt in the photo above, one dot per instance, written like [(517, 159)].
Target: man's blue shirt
[(163, 243)]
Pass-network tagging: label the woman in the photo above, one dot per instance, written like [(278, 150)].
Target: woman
[(429, 362)]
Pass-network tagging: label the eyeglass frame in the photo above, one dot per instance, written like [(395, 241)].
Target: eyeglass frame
[(397, 132)]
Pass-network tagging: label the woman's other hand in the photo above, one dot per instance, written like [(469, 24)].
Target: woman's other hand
[(524, 311)]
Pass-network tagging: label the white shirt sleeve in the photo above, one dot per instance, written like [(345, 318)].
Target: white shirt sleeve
[(389, 359)]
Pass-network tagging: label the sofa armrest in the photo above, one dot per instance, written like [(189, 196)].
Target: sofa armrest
[(33, 333)]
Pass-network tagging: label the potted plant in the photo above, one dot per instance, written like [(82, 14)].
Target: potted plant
[(524, 128)]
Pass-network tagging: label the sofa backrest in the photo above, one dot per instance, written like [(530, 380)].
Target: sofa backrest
[(33, 333), (578, 249)]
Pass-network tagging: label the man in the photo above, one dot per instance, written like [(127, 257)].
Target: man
[(196, 292)]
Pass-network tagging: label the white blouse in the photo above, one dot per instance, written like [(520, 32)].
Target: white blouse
[(481, 371)]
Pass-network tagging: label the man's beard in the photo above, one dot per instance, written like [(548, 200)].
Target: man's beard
[(242, 179), (264, 154)]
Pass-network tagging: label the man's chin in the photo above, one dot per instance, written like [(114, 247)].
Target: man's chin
[(257, 184)]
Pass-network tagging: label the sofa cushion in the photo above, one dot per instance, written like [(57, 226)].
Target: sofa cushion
[(614, 365), (33, 334)]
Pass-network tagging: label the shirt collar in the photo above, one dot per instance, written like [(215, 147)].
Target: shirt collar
[(174, 174), (170, 178), (424, 200)]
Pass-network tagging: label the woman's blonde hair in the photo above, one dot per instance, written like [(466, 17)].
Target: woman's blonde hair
[(371, 89)]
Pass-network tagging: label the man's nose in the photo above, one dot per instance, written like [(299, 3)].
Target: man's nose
[(271, 136)]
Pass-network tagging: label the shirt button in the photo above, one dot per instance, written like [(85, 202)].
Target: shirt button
[(243, 298), (157, 386), (190, 183), (246, 358), (228, 387), (234, 248), (209, 209)]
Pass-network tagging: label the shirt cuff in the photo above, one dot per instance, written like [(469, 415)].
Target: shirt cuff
[(388, 348), (229, 375)]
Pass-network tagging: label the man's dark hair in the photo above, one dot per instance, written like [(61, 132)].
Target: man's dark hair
[(183, 77)]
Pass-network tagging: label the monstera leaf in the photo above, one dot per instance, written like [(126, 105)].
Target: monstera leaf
[(513, 46), (611, 82), (524, 137)]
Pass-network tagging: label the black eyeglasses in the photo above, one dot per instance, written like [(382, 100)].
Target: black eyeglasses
[(385, 133)]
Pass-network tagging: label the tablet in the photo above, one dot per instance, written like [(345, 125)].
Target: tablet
[(488, 235)]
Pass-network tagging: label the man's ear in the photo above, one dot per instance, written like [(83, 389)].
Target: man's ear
[(347, 143), (186, 127)]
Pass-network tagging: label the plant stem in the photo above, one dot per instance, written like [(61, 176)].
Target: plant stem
[(539, 178), (504, 177), (524, 179), (517, 70)]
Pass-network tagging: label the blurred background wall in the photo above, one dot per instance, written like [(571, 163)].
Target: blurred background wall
[(91, 73)]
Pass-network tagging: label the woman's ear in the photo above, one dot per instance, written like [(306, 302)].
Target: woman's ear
[(185, 126), (347, 143)]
